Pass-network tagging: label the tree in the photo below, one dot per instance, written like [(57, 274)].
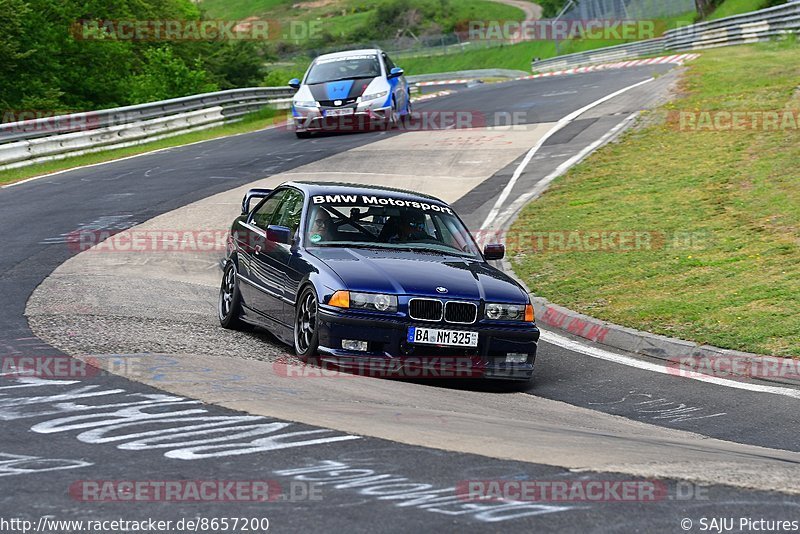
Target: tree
[(705, 7), (166, 76)]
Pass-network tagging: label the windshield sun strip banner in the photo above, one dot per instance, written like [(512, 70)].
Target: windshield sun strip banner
[(375, 200), (344, 58)]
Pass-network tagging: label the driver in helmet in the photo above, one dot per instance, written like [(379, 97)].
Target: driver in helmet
[(410, 227)]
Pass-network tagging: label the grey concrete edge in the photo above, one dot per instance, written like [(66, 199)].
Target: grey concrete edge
[(683, 356)]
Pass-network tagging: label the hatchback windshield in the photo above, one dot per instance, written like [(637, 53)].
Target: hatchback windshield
[(379, 222), (344, 68)]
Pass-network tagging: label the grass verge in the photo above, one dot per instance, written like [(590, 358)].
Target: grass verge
[(517, 56), (351, 19), (728, 8), (251, 122), (721, 208)]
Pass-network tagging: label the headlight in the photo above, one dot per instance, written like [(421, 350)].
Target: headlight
[(510, 312), (364, 301), (305, 104), (374, 96), (371, 301)]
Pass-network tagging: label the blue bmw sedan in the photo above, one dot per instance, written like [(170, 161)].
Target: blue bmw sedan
[(372, 278)]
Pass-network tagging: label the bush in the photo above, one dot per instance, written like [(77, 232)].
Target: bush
[(166, 76)]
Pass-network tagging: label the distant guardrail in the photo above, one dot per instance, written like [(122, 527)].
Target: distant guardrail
[(473, 74), (752, 27), (45, 139), (51, 138)]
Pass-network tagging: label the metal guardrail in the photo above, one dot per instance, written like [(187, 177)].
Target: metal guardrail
[(756, 26), (472, 74), (32, 141), (232, 102), (27, 142), (601, 55)]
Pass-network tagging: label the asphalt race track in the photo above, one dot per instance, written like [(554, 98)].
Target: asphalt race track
[(370, 455)]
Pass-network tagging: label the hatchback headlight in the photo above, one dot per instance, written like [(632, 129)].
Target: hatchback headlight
[(374, 96), (510, 312)]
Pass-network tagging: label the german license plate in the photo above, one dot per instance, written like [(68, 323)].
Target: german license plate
[(448, 338), (339, 112)]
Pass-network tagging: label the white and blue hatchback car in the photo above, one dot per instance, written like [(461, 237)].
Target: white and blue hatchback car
[(350, 91)]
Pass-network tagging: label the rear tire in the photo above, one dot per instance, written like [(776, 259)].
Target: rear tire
[(229, 307)]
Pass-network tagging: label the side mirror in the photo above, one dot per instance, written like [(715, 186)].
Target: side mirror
[(396, 72), (279, 234), (494, 252), (250, 195), (294, 83)]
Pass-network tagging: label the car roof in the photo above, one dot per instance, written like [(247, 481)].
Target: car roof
[(323, 188), (345, 53)]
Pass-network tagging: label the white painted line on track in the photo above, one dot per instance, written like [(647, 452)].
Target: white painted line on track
[(542, 184), (595, 352), (532, 152)]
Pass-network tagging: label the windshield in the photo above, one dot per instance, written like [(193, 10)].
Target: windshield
[(381, 222), (343, 68)]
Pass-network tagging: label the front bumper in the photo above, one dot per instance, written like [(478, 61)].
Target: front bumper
[(365, 116), (390, 354)]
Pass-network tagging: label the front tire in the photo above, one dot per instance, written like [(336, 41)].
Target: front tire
[(306, 325), (394, 118), (303, 135), (229, 307)]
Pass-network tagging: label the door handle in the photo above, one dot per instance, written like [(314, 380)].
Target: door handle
[(258, 249)]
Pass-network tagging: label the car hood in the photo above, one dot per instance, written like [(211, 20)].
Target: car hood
[(340, 90), (420, 274)]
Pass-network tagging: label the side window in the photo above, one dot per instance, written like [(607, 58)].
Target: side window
[(389, 63), (288, 214), (263, 213)]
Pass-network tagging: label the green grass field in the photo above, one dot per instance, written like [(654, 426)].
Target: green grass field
[(735, 7), (240, 9), (346, 17), (722, 208), (516, 56)]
